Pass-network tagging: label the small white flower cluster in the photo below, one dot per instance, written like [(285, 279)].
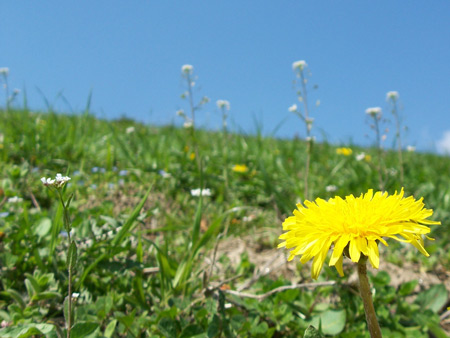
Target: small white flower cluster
[(411, 149), (373, 111), (130, 130), (223, 104), (58, 182), (200, 192), (187, 69), (293, 108), (331, 188), (4, 71), (299, 65), (14, 200), (392, 95), (188, 124), (361, 156)]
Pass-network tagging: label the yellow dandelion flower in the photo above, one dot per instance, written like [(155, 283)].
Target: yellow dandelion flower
[(192, 156), (367, 158), (344, 151), (240, 168), (356, 224)]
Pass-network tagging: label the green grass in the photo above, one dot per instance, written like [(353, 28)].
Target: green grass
[(144, 265)]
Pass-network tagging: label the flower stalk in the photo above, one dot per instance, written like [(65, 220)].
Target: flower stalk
[(366, 295), (57, 185)]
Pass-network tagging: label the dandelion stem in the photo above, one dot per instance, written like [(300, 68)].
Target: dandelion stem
[(366, 295)]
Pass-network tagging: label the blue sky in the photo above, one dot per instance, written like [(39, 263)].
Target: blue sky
[(130, 54)]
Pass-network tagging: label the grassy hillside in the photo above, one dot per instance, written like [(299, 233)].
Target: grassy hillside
[(166, 263)]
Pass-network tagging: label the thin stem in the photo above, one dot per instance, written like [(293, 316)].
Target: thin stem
[(308, 132), (69, 268), (366, 295), (191, 100), (399, 140), (377, 131)]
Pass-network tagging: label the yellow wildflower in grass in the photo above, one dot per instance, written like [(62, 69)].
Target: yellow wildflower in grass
[(354, 224), (344, 151), (192, 156), (240, 168)]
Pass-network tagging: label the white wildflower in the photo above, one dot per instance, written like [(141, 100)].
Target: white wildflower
[(187, 69), (47, 181), (299, 65), (130, 130), (330, 188), (392, 95), (360, 156), (61, 180), (4, 71), (200, 192), (180, 113), (223, 104), (293, 108), (373, 111), (14, 200), (188, 124), (411, 149)]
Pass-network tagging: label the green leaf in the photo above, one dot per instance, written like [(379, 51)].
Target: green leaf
[(168, 327), (406, 288), (14, 295), (197, 221), (382, 278), (43, 228), (110, 328), (82, 329), (27, 330), (434, 298), (129, 222), (214, 327), (332, 321), (312, 332), (66, 310), (191, 331), (46, 295), (72, 256)]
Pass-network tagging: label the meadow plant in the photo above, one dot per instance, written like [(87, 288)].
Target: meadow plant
[(392, 98), (375, 114), (187, 72), (224, 107), (354, 227), (299, 68), (57, 184)]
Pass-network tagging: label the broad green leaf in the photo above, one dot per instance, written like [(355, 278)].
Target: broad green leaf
[(27, 330), (332, 321), (82, 329), (434, 298), (406, 288), (43, 228), (110, 328)]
